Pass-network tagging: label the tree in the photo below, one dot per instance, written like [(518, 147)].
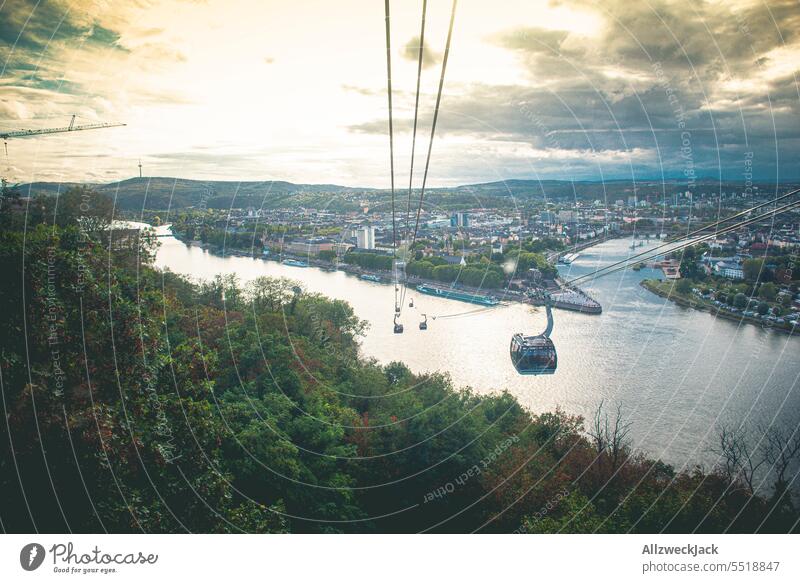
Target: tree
[(781, 451), (739, 464), (768, 291), (739, 301), (684, 286), (611, 437), (753, 269)]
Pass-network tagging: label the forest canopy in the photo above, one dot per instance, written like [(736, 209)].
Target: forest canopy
[(137, 400)]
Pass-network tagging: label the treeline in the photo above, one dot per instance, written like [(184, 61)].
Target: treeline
[(479, 274), (369, 260), (135, 400)]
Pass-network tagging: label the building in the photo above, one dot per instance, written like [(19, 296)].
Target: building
[(310, 247), (547, 217), (567, 216), (454, 259), (460, 219), (365, 237), (730, 270)]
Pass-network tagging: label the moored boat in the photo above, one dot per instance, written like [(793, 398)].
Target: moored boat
[(462, 296), (294, 263)]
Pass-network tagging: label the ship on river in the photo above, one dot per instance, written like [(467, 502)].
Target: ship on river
[(462, 296), (575, 300), (370, 277), (568, 258), (294, 263)]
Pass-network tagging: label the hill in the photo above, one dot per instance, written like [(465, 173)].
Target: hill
[(164, 192), (159, 193)]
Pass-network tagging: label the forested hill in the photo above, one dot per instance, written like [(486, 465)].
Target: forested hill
[(160, 194), (134, 400), (163, 193)]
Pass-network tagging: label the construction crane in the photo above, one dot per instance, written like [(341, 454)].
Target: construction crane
[(70, 128)]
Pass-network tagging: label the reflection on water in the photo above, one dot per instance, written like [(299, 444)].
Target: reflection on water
[(676, 372)]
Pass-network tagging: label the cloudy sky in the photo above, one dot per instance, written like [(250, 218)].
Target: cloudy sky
[(296, 90)]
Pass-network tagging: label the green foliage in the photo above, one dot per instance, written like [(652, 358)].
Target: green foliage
[(753, 269), (215, 407), (683, 286), (473, 274), (768, 291), (369, 260)]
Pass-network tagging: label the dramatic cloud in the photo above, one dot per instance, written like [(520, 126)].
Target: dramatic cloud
[(534, 88)]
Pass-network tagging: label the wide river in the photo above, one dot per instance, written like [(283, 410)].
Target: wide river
[(678, 374)]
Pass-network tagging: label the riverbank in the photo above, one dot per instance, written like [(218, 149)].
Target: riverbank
[(584, 304), (615, 355), (665, 289)]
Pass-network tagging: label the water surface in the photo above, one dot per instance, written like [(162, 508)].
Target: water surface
[(677, 373)]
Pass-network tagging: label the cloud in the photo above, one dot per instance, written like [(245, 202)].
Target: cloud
[(525, 91), (656, 76), (411, 52)]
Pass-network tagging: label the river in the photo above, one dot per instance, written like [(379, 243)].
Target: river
[(678, 374)]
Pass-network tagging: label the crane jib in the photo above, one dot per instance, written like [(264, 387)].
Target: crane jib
[(59, 130)]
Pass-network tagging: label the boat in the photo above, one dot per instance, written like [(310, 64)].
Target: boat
[(294, 263), (461, 296), (370, 277), (576, 301), (568, 258)]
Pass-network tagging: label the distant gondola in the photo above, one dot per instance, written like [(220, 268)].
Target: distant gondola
[(535, 355), (424, 324), (398, 328)]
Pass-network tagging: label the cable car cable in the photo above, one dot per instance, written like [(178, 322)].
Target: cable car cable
[(435, 118), (695, 232), (414, 136), (416, 113), (391, 141), (598, 273), (687, 241)]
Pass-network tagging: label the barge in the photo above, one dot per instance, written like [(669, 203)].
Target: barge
[(294, 263), (462, 296)]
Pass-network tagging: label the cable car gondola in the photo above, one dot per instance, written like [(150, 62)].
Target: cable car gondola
[(411, 303), (424, 324), (535, 355), (398, 328)]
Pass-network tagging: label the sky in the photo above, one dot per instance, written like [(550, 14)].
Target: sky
[(296, 90)]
